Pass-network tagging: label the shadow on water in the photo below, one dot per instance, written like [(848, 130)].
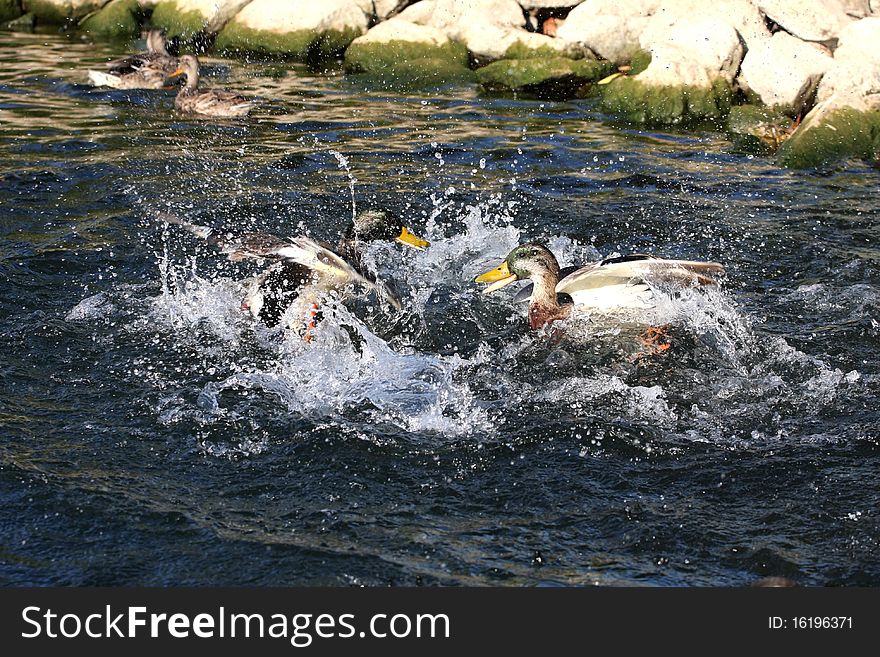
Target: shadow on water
[(154, 435)]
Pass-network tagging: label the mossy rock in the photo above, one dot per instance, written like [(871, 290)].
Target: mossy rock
[(60, 13), (654, 105), (519, 50), (301, 44), (841, 133), (48, 12), (10, 10), (417, 74), (379, 57), (118, 19), (182, 25), (639, 62), (758, 129), (552, 77)]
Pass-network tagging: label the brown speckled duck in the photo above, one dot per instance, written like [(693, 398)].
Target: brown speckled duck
[(147, 70), (217, 103)]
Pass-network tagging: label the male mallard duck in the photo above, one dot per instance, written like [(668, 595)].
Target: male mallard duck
[(147, 70), (610, 284), (206, 102), (305, 271)]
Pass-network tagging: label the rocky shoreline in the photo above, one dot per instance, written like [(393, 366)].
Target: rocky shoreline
[(799, 79)]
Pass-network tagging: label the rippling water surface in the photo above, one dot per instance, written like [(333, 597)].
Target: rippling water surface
[(152, 434)]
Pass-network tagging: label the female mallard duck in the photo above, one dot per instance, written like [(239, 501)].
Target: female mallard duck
[(305, 271), (147, 70), (206, 102), (610, 284)]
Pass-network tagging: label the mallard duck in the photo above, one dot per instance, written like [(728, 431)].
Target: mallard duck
[(304, 271), (206, 102), (610, 284), (147, 70)]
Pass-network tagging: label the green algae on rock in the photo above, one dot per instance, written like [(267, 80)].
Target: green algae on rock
[(60, 12), (758, 129), (177, 24), (9, 10), (300, 44), (417, 74), (638, 102), (117, 19), (833, 135), (556, 76)]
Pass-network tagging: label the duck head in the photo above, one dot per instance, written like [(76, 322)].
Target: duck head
[(534, 261), (188, 65), (373, 225)]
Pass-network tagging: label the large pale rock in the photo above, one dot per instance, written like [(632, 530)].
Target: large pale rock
[(188, 17), (608, 28), (58, 12), (457, 17), (399, 29), (742, 15), (617, 30), (810, 20), (854, 78), (694, 52), (299, 28), (784, 70), (491, 29), (611, 37)]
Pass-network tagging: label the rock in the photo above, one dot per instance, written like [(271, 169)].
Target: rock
[(297, 28), (59, 12), (9, 10), (608, 28), (810, 21), (830, 133), (853, 80), (846, 119), (742, 15), (691, 52), (759, 130), (557, 77), (117, 19), (784, 71), (489, 28), (638, 102), (24, 23), (400, 54), (688, 79), (187, 18)]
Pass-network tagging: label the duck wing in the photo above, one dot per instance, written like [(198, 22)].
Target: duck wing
[(334, 268), (214, 102), (639, 268)]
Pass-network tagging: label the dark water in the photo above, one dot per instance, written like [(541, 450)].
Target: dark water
[(151, 434)]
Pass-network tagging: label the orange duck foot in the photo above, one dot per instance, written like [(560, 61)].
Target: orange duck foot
[(656, 341), (311, 323)]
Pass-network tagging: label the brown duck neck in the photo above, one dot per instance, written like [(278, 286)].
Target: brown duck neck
[(544, 306)]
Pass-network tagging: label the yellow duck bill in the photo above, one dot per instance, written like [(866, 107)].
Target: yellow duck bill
[(498, 277), (411, 239)]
